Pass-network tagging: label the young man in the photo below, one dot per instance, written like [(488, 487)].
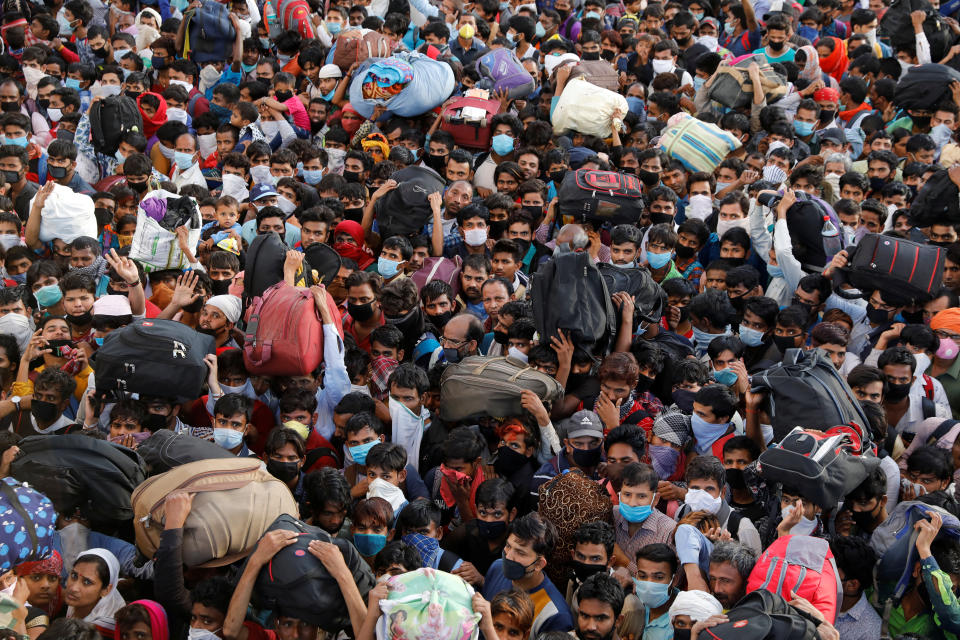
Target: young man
[(522, 567), (285, 454), (738, 453), (218, 317), (865, 508), (231, 418), (43, 412), (592, 553), (637, 522), (454, 481), (599, 608), (661, 241), (714, 407), (706, 486), (855, 558), (582, 449), (653, 583), (479, 542), (905, 408), (419, 526)]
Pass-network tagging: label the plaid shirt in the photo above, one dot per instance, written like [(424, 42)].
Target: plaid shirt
[(691, 270), (451, 241)]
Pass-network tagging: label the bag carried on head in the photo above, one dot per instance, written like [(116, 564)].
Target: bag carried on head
[(588, 109), (290, 15), (924, 86), (29, 524), (698, 145), (648, 296), (601, 196), (165, 450), (446, 269), (210, 33), (405, 210), (904, 271), (110, 119), (353, 46), (468, 121), (480, 386), (733, 88), (762, 615), (427, 603), (936, 202), (501, 70)]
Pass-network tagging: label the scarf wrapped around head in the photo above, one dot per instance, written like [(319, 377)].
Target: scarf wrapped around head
[(95, 269), (811, 70), (52, 565), (836, 63), (359, 252), (102, 615), (150, 125), (351, 128), (159, 629)]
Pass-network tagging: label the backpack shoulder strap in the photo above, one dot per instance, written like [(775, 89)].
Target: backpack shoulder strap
[(929, 408), (191, 106), (447, 561), (733, 523), (928, 386)]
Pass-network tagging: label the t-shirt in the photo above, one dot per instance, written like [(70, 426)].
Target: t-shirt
[(743, 43), (550, 610)]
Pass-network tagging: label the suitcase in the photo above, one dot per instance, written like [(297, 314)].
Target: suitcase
[(480, 386), (733, 88), (234, 504), (284, 335), (154, 357), (601, 196), (164, 450), (405, 210), (501, 70), (296, 583), (468, 121), (28, 518), (698, 145), (79, 472), (354, 46), (904, 271), (445, 269), (598, 72)]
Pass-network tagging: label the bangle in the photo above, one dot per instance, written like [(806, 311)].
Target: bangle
[(136, 283), (751, 411)]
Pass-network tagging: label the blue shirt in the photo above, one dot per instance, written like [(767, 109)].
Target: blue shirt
[(550, 610)]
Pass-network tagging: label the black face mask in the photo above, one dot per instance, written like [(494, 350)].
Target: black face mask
[(863, 519), (582, 570), (913, 317), (681, 634), (897, 392), (409, 324), (220, 287), (683, 42), (154, 422), (535, 212), (283, 471), (648, 178), (104, 216), (644, 383), (100, 52), (497, 227), (437, 163), (205, 330), (576, 380), (735, 478), (80, 320), (317, 125), (43, 103), (587, 458), (877, 316), (491, 530), (351, 176), (57, 173), (440, 320), (283, 96), (123, 293), (139, 187), (10, 107), (609, 54), (194, 307), (785, 342), (44, 412), (557, 176), (353, 213), (360, 312), (827, 115), (509, 461), (776, 46), (591, 55), (684, 252), (563, 13), (500, 337), (658, 217), (132, 94), (683, 398)]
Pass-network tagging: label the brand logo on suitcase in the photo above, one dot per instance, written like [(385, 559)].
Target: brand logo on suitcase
[(179, 350)]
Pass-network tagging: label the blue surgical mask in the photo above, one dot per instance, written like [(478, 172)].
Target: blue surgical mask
[(329, 96), (510, 37), (658, 260), (73, 83), (183, 160), (728, 28), (774, 271), (592, 14), (334, 28), (359, 452), (414, 153), (227, 438), (265, 43), (751, 337), (702, 339), (698, 82), (720, 186), (651, 594), (369, 544), (17, 142), (48, 296), (312, 176), (802, 128), (635, 515), (65, 27), (726, 377), (540, 31), (98, 341), (705, 432), (387, 268), (698, 16), (247, 68), (502, 144), (120, 157)]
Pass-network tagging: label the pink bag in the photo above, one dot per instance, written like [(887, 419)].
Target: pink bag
[(439, 269)]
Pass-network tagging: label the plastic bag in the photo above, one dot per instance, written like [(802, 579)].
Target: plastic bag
[(588, 109), (155, 247), (67, 215)]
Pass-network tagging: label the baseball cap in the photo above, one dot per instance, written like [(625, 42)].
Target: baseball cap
[(262, 191), (582, 423), (834, 134)]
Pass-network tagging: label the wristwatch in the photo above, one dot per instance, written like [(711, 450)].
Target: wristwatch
[(16, 401)]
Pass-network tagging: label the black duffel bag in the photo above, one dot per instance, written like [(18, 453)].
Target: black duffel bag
[(405, 210), (154, 358), (925, 86), (165, 450), (295, 583), (601, 196), (649, 297), (79, 472), (903, 270)]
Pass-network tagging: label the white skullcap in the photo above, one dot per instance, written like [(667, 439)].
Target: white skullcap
[(229, 305)]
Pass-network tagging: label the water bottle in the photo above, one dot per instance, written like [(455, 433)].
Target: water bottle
[(832, 242)]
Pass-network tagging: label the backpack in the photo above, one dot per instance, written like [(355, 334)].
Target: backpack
[(937, 201), (924, 86), (296, 583), (650, 299), (814, 232), (733, 88), (292, 15), (28, 518), (601, 196), (79, 472), (823, 468), (904, 270), (762, 615), (568, 294), (501, 70), (405, 210), (806, 390), (897, 27), (803, 565), (154, 357), (355, 46), (428, 604), (568, 500), (110, 119), (209, 33), (445, 269), (164, 450), (264, 265)]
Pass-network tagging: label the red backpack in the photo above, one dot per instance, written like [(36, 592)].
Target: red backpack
[(803, 565)]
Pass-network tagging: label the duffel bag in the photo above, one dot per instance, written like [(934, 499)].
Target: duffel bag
[(406, 209), (823, 468), (295, 582), (903, 270), (110, 118), (468, 121), (764, 615), (598, 72), (803, 565), (433, 82), (79, 472), (568, 294), (445, 269), (733, 88), (427, 599), (234, 503), (284, 334), (648, 296), (936, 202), (567, 501), (924, 86), (490, 386), (29, 520), (501, 70), (154, 357), (164, 450), (587, 195), (806, 390), (588, 109), (698, 145)]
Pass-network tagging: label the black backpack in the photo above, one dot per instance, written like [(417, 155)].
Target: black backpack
[(897, 26), (110, 119), (763, 615), (601, 196), (936, 202), (805, 390), (405, 210), (153, 357), (165, 450), (569, 294), (79, 472), (924, 86), (264, 265), (295, 583), (650, 299)]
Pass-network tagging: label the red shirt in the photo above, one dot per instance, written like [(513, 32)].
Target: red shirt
[(364, 344)]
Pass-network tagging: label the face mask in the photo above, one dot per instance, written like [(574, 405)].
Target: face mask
[(333, 27), (658, 260), (587, 458), (785, 342), (360, 312), (662, 66), (802, 128), (359, 452), (369, 544), (721, 186), (72, 83), (265, 42), (725, 225), (451, 355), (631, 265), (57, 173), (557, 176), (283, 471), (652, 594), (475, 237), (863, 519), (440, 320), (261, 175), (48, 296), (683, 398), (635, 515), (17, 142), (948, 349), (706, 433), (582, 570), (80, 320), (751, 337), (65, 27), (351, 176), (735, 478), (664, 459), (827, 115), (491, 530), (774, 271), (54, 114), (312, 176), (467, 32), (805, 527), (45, 412), (227, 438), (877, 316), (387, 268), (183, 160), (508, 461), (179, 115), (897, 392), (502, 144), (702, 339), (700, 500), (540, 31), (591, 55), (776, 46), (154, 421), (202, 634), (286, 205), (728, 28), (698, 83), (221, 112), (513, 570)]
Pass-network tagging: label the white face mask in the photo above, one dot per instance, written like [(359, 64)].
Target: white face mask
[(662, 66), (700, 207), (261, 175), (285, 205), (335, 158), (202, 634), (9, 240), (700, 500), (725, 225), (475, 237), (805, 527), (183, 83), (208, 143), (104, 90), (54, 114), (234, 186), (513, 352), (179, 115)]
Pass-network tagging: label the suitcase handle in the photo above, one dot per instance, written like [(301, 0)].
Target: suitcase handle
[(250, 343), (512, 378)]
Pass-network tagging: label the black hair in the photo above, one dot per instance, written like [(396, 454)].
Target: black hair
[(719, 398), (324, 486), (630, 435), (659, 552), (605, 588), (598, 532)]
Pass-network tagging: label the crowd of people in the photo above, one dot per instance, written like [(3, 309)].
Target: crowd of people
[(655, 441)]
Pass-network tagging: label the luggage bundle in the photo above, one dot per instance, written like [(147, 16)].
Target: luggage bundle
[(467, 119), (762, 615), (236, 501), (897, 27), (490, 386), (66, 215), (445, 269), (406, 209), (936, 202), (501, 70), (432, 83), (698, 145), (154, 357), (295, 583), (568, 294), (601, 196), (649, 297), (598, 72), (110, 118), (155, 244), (284, 334), (924, 86), (77, 472), (903, 270), (588, 109), (425, 601), (733, 88), (805, 390), (209, 33), (266, 256), (29, 519), (356, 45), (164, 450)]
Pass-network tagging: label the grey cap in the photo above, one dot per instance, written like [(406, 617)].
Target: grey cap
[(582, 423)]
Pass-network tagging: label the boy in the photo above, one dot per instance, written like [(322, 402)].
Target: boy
[(298, 411), (706, 484), (506, 260), (386, 351), (43, 412), (625, 242), (520, 338), (480, 541), (454, 482), (419, 525), (637, 522), (231, 418), (408, 417), (738, 453), (864, 508), (856, 619), (225, 226)]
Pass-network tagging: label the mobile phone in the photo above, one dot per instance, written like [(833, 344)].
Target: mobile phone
[(56, 347)]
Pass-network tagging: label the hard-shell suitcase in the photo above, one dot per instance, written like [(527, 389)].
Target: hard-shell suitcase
[(468, 121)]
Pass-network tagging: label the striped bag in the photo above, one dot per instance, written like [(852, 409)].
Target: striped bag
[(699, 145)]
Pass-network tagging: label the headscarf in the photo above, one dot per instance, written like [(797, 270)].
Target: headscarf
[(102, 615), (811, 70), (150, 125), (836, 63), (159, 630), (359, 252), (348, 108), (699, 605), (52, 565), (922, 435), (948, 319)]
